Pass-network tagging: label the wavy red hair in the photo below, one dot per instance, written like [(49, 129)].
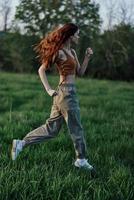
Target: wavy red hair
[(48, 47)]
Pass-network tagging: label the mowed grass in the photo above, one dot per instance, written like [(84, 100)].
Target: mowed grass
[(46, 170)]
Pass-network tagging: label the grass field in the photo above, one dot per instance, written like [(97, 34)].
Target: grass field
[(46, 171)]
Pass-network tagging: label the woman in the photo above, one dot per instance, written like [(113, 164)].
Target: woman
[(56, 48)]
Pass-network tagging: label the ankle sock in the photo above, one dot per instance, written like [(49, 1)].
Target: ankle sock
[(81, 161)]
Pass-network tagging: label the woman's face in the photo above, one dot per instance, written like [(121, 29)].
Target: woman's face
[(75, 37)]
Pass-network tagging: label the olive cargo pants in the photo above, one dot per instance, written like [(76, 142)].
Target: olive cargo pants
[(65, 108)]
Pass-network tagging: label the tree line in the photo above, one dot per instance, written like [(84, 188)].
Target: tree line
[(113, 49)]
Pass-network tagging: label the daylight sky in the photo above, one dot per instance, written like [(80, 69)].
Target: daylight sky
[(104, 12), (115, 7)]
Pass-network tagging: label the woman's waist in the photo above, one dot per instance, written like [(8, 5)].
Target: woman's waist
[(68, 79), (67, 84)]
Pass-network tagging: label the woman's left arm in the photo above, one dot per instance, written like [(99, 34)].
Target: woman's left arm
[(82, 68)]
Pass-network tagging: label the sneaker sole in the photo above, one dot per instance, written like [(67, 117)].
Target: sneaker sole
[(12, 150), (77, 165)]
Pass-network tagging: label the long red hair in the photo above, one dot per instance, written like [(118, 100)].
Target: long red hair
[(48, 46)]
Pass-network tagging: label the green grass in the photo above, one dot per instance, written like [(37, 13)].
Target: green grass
[(45, 171)]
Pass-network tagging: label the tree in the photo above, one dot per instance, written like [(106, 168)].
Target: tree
[(5, 8), (39, 16), (113, 58), (16, 52)]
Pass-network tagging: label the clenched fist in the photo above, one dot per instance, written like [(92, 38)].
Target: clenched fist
[(88, 52)]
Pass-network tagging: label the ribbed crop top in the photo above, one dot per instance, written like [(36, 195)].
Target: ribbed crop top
[(66, 67)]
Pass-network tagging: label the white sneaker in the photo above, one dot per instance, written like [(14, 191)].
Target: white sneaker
[(83, 163), (16, 148)]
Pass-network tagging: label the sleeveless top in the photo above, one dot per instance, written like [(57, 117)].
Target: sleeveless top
[(66, 67)]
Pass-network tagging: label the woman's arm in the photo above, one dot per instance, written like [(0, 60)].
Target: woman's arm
[(43, 77), (81, 69)]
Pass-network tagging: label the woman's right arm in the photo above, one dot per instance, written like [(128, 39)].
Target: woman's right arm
[(43, 77)]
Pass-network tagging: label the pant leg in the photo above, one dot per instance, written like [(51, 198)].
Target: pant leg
[(71, 112), (48, 130), (72, 118)]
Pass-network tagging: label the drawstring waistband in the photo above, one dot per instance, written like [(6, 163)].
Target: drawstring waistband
[(66, 87)]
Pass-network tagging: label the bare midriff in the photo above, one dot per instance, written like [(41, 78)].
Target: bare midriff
[(67, 79)]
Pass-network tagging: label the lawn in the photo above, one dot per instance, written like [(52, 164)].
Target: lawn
[(46, 171)]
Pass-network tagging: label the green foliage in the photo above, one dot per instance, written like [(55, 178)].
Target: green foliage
[(114, 54), (113, 50), (5, 56), (16, 52), (45, 171), (40, 16)]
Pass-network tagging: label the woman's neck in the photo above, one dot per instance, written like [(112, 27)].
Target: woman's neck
[(67, 45)]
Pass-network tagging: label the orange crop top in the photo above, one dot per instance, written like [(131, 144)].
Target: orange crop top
[(66, 67)]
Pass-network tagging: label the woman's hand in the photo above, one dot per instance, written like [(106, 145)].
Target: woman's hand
[(88, 52), (51, 92)]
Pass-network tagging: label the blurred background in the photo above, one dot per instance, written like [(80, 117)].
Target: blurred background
[(107, 26)]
